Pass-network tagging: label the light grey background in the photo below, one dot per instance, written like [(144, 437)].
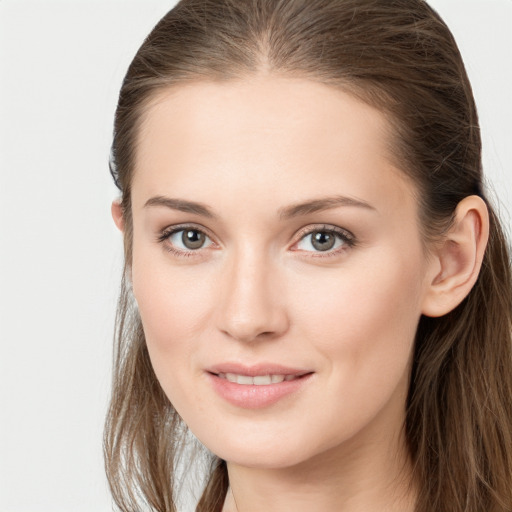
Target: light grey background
[(61, 66)]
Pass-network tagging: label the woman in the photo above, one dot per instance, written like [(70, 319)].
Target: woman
[(315, 283)]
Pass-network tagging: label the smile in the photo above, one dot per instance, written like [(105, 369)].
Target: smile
[(257, 380), (256, 387)]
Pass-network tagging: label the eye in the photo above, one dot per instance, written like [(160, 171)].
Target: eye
[(185, 239), (327, 240)]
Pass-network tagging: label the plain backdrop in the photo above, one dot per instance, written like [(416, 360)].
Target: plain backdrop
[(61, 66)]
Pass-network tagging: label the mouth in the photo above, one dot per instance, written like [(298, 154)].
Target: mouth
[(257, 380), (256, 387)]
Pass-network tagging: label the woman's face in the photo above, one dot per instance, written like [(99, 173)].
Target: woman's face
[(277, 266)]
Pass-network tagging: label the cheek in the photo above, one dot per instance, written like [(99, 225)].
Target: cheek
[(173, 303), (167, 295), (364, 320), (363, 326)]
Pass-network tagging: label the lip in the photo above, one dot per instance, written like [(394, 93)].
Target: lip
[(251, 396), (256, 369)]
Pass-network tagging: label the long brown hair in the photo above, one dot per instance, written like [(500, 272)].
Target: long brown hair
[(398, 56)]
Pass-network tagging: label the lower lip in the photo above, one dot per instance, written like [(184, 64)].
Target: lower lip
[(250, 396)]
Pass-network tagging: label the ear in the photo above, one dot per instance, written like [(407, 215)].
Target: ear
[(117, 214), (457, 261)]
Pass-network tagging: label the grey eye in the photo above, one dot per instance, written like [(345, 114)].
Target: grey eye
[(188, 239), (192, 238), (322, 240)]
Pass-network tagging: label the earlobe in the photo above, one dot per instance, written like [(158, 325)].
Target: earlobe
[(117, 214), (458, 259)]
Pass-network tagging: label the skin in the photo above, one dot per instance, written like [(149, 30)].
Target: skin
[(258, 290)]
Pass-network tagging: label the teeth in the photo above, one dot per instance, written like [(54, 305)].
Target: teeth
[(262, 380), (258, 380)]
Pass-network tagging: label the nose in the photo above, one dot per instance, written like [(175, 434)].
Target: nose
[(251, 305)]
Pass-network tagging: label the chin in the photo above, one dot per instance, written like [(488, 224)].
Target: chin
[(270, 453), (259, 459)]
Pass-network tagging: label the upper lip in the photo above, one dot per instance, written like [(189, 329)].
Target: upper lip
[(256, 369)]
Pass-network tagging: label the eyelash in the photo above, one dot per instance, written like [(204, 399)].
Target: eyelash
[(347, 238), (166, 233)]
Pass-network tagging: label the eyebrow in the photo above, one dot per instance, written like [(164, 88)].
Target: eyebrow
[(181, 205), (321, 204), (294, 210)]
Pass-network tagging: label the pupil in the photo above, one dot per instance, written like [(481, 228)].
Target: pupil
[(323, 241), (192, 239)]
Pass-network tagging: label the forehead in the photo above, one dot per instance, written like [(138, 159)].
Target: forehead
[(267, 133), (257, 110)]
